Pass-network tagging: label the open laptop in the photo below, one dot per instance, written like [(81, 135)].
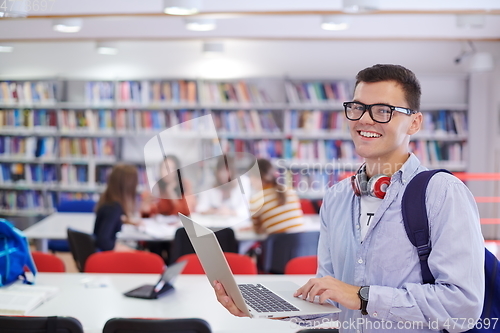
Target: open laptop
[(263, 300), (149, 291)]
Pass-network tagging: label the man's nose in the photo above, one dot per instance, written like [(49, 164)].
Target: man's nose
[(366, 118)]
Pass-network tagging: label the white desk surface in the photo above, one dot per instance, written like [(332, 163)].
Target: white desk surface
[(54, 226), (193, 297)]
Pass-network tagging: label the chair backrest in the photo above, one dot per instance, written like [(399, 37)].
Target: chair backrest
[(142, 325), (48, 263), (82, 245), (302, 265), (181, 244), (124, 262), (19, 324), (307, 206), (278, 249), (76, 206), (239, 264)]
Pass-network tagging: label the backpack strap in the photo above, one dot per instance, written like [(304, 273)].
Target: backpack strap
[(415, 219)]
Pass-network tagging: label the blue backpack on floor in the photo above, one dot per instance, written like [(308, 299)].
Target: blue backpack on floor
[(14, 254), (417, 228)]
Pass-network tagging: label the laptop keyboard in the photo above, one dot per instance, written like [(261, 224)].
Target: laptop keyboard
[(263, 300)]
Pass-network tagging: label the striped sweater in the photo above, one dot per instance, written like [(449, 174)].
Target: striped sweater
[(274, 218)]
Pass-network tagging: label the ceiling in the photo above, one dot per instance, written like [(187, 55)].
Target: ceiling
[(254, 20)]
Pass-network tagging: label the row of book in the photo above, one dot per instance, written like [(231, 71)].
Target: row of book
[(232, 93), (87, 148), (23, 200), (141, 92), (89, 120), (27, 92), (318, 92), (314, 120), (432, 152), (243, 121), (28, 118), (102, 172), (444, 122), (27, 147), (28, 173)]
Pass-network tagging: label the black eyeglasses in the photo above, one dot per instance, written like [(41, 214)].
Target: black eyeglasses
[(380, 113)]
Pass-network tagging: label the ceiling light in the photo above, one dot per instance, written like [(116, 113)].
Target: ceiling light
[(212, 48), (470, 21), (69, 25), (334, 22), (359, 6), (199, 24), (181, 7), (107, 48), (15, 8), (6, 48)]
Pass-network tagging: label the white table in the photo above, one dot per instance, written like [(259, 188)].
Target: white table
[(161, 228), (193, 297)]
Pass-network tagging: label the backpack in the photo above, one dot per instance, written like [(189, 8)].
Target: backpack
[(14, 254), (417, 228)]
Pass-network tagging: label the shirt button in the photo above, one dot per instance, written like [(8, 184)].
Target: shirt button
[(360, 261), (375, 314), (357, 227)]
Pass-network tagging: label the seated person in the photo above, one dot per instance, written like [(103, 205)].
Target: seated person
[(281, 210), (225, 198), (172, 200), (115, 207)]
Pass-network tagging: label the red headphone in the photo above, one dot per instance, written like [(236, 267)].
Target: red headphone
[(376, 186)]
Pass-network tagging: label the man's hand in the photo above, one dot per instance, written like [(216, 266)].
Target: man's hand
[(226, 301), (328, 287)]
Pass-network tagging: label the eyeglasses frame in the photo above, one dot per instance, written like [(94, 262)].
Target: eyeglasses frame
[(368, 107)]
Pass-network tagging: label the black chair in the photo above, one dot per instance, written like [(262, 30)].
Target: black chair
[(181, 244), (278, 249), (140, 325), (10, 324), (82, 245)]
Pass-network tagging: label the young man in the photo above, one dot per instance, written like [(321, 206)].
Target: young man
[(367, 265)]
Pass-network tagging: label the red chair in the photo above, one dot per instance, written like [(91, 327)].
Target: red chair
[(307, 206), (238, 263), (48, 263), (124, 262), (302, 265)]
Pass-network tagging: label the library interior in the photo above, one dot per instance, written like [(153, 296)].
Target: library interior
[(116, 116)]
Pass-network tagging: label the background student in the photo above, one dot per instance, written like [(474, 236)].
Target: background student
[(115, 207), (281, 210), (225, 198)]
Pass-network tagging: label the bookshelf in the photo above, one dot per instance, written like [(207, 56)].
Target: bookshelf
[(60, 138)]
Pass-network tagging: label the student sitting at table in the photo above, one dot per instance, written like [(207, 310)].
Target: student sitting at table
[(281, 210), (225, 197), (174, 197), (115, 207)]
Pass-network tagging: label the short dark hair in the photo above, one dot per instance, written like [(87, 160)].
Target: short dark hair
[(403, 76)]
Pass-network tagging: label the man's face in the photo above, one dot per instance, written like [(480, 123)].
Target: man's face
[(383, 143)]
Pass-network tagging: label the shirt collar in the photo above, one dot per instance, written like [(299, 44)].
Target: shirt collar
[(407, 171)]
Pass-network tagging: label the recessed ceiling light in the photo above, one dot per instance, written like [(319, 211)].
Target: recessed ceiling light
[(213, 48), (181, 7), (6, 48), (107, 48), (359, 6), (334, 22), (69, 25), (200, 24)]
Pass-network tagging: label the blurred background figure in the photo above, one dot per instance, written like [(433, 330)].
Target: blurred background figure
[(115, 207)]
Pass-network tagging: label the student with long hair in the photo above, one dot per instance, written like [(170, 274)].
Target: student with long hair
[(115, 207), (174, 196), (281, 210)]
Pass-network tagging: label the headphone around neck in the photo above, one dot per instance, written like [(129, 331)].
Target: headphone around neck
[(376, 186)]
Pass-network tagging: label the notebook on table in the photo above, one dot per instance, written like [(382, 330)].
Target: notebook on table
[(260, 300), (149, 291)]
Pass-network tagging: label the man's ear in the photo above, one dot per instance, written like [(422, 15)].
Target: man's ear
[(416, 123)]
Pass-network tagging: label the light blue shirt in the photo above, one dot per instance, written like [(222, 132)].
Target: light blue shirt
[(388, 262)]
